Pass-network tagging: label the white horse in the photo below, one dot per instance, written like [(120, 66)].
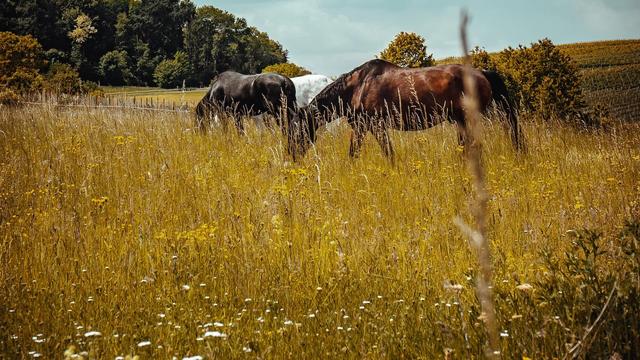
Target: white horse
[(307, 87)]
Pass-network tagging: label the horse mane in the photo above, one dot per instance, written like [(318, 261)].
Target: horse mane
[(336, 88)]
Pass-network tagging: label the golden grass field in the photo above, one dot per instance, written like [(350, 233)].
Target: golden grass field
[(125, 233)]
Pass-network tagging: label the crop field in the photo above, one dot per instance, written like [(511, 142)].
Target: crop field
[(610, 75), (126, 233)]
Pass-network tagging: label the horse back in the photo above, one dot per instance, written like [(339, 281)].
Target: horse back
[(431, 87)]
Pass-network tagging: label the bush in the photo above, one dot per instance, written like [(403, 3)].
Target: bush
[(8, 97), (172, 73), (542, 79), (63, 79), (286, 69), (21, 59), (114, 68), (596, 277)]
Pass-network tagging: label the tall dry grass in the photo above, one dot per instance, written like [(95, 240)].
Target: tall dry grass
[(126, 233)]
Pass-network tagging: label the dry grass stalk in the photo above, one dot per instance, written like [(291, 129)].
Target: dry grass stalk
[(473, 151)]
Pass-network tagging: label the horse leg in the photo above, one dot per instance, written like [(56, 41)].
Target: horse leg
[(239, 123), (458, 117), (382, 135), (203, 117), (462, 136), (357, 136)]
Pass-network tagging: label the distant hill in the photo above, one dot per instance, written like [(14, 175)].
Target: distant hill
[(610, 74)]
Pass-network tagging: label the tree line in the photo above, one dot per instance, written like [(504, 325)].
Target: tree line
[(145, 42)]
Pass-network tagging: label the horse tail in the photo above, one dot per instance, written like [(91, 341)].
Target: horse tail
[(505, 102)]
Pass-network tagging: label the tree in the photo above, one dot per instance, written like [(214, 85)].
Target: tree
[(286, 69), (216, 41), (172, 73), (407, 50), (159, 24), (82, 31), (199, 41), (114, 68), (261, 51), (21, 59)]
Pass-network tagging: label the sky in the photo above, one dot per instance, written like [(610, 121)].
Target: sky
[(332, 37)]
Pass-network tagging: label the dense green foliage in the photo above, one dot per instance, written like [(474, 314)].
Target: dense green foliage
[(23, 70), (286, 69), (121, 42), (114, 68), (217, 41), (407, 50), (174, 72)]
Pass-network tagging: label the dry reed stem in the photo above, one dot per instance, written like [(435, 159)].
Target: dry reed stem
[(473, 150)]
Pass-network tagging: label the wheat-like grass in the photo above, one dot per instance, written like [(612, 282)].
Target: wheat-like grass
[(127, 233)]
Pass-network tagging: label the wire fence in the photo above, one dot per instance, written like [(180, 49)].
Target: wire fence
[(142, 92), (107, 102)]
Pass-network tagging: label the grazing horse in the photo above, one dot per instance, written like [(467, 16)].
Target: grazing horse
[(308, 86), (247, 95), (378, 96)]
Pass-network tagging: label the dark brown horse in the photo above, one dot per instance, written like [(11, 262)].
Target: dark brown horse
[(378, 96), (246, 95)]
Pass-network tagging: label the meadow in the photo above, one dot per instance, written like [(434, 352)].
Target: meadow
[(125, 233)]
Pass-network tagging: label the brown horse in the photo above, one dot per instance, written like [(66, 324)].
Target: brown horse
[(378, 96)]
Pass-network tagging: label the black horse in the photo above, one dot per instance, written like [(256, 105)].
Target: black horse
[(378, 95), (247, 95)]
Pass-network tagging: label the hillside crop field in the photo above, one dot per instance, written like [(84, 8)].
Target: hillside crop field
[(127, 233), (610, 73)]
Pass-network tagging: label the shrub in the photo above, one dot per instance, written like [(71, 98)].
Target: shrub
[(286, 69), (541, 78), (596, 277), (21, 59), (114, 68), (63, 79), (8, 97), (172, 73)]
